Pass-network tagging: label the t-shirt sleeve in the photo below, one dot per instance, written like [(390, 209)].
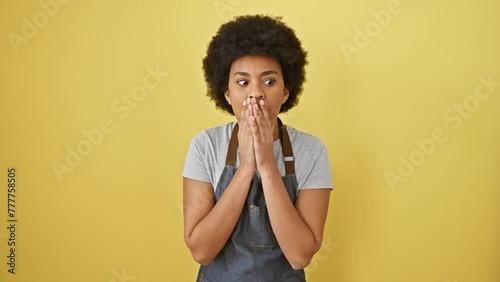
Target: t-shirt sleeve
[(195, 165), (319, 176)]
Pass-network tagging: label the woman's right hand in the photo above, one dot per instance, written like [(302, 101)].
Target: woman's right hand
[(245, 139)]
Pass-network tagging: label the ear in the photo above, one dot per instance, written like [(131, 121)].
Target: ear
[(227, 96), (286, 94)]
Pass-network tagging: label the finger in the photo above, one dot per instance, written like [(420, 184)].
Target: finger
[(249, 103), (253, 128), (245, 133), (243, 111), (256, 113), (259, 118), (248, 116), (265, 112), (244, 127), (254, 102), (264, 120), (249, 106)]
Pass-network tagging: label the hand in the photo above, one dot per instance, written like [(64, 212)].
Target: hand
[(245, 138), (262, 130)]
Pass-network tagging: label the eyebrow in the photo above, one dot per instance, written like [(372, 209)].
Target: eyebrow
[(242, 73)]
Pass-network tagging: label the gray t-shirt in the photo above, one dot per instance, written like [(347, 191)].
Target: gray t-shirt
[(207, 153)]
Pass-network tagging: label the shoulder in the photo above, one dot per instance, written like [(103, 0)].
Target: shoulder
[(216, 135), (312, 163), (302, 140)]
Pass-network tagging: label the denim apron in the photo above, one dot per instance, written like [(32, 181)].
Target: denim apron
[(252, 253)]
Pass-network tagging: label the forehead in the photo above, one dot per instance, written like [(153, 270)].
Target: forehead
[(255, 64)]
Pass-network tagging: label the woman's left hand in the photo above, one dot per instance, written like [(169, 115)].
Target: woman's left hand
[(262, 129)]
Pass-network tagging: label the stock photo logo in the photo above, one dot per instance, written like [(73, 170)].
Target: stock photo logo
[(121, 107), (373, 28), (225, 6), (121, 277), (324, 254), (31, 27), (454, 116)]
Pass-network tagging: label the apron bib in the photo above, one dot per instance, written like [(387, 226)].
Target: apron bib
[(252, 252)]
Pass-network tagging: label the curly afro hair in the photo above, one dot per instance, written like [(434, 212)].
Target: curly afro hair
[(254, 35)]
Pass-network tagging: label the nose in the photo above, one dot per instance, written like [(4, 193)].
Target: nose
[(256, 92)]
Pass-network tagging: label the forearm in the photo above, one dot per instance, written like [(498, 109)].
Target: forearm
[(294, 236), (212, 232)]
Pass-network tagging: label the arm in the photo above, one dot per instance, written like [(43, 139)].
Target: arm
[(207, 226), (299, 229)]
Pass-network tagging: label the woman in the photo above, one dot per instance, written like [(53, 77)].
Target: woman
[(256, 192)]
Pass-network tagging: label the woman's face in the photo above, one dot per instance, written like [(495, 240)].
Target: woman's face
[(258, 77)]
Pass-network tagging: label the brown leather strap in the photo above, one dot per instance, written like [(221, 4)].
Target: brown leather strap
[(286, 147), (233, 146)]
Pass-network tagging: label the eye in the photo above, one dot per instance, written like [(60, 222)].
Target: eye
[(242, 82), (269, 81)]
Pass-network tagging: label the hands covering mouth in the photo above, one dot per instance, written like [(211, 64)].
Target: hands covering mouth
[(256, 136)]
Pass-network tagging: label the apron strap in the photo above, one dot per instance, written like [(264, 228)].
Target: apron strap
[(233, 145), (286, 147)]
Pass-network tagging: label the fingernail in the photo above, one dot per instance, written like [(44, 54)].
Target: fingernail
[(244, 103)]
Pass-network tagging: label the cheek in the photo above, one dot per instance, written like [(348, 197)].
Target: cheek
[(273, 109), (237, 112)]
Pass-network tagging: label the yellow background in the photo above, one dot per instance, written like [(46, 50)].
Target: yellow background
[(119, 211)]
